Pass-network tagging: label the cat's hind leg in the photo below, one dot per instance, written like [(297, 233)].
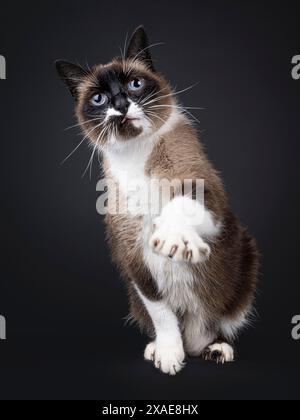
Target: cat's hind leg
[(219, 352), (197, 336), (202, 340)]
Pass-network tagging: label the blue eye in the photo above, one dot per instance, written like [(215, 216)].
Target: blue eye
[(136, 84), (99, 99)]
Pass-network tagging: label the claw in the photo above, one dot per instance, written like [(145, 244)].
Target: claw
[(156, 243), (173, 251)]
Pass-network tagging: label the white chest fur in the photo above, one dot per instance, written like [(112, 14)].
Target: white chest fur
[(127, 162)]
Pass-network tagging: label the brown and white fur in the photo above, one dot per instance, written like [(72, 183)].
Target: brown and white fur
[(191, 276)]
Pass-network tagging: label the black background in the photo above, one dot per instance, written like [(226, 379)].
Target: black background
[(63, 300)]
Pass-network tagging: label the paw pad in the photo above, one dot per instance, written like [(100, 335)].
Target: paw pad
[(179, 244)]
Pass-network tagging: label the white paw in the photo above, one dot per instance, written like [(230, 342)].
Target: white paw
[(168, 359), (181, 244), (220, 353)]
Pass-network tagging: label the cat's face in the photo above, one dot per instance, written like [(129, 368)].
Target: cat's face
[(122, 100)]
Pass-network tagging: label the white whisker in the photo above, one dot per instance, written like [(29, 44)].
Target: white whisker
[(71, 154), (77, 147), (180, 108), (176, 106), (170, 95), (91, 160), (152, 95), (157, 116), (124, 54), (83, 123), (90, 164)]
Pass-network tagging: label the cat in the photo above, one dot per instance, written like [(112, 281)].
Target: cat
[(191, 271)]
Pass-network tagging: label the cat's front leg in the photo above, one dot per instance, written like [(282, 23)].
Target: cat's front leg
[(166, 352), (180, 229)]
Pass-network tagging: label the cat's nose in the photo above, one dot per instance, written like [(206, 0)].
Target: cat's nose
[(121, 104)]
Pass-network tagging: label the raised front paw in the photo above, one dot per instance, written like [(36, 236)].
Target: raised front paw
[(168, 359), (180, 244)]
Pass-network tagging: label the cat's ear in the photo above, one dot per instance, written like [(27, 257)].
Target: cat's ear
[(138, 47), (71, 75)]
